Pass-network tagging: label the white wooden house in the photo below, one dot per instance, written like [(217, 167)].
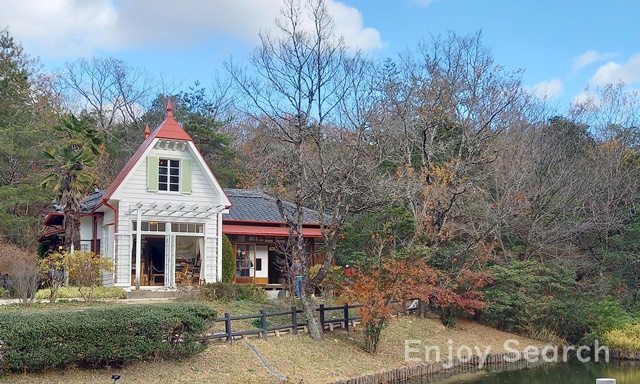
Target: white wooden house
[(160, 221)]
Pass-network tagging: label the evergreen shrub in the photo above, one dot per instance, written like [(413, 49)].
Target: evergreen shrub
[(604, 316), (625, 338), (38, 340), (529, 297), (228, 260)]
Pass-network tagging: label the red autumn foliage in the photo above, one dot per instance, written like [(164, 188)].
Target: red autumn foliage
[(398, 280)]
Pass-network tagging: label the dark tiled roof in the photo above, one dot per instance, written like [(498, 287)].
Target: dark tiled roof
[(255, 205), (248, 205), (87, 205), (92, 200)]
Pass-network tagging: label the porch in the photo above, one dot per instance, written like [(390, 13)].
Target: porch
[(168, 260)]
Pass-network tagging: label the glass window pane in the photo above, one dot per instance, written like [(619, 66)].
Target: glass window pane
[(174, 188)]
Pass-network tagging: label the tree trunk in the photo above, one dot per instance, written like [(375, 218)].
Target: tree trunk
[(68, 230), (75, 239), (315, 328)]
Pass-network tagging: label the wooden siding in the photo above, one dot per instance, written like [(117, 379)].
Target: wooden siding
[(123, 263), (106, 250), (202, 192), (211, 263), (133, 190)]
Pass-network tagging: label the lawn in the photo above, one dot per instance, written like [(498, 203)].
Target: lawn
[(339, 356)]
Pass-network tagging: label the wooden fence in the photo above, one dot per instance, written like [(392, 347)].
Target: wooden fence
[(345, 321)]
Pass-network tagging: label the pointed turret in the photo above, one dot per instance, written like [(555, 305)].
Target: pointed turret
[(169, 109), (147, 132)]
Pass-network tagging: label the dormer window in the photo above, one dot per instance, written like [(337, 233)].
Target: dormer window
[(169, 175)]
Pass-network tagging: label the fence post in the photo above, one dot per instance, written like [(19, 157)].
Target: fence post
[(263, 323), (606, 381), (294, 319), (227, 327), (346, 317), (322, 317)]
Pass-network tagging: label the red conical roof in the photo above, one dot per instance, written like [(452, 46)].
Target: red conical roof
[(170, 129)]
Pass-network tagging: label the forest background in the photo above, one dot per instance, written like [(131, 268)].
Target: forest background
[(439, 154)]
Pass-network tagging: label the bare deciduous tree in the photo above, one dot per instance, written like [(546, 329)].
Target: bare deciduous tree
[(26, 278), (443, 109), (108, 88), (23, 270), (310, 100)]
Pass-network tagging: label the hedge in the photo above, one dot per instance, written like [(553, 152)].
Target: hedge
[(38, 340), (227, 292), (73, 292)]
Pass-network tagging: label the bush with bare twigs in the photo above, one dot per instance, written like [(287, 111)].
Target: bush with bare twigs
[(20, 271)]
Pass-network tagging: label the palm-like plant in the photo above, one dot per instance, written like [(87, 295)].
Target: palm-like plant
[(80, 133), (70, 174), (69, 180)]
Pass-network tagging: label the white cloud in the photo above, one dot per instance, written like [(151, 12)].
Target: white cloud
[(546, 89), (64, 28), (585, 98), (588, 58), (59, 27), (614, 72), (349, 24)]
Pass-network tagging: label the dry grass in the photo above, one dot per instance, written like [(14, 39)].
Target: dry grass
[(298, 358)]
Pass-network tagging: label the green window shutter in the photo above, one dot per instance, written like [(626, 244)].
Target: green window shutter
[(185, 176), (152, 173)]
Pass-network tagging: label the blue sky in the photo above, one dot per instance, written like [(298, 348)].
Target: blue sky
[(563, 45)]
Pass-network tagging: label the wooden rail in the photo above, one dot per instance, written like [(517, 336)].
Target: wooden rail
[(294, 326)]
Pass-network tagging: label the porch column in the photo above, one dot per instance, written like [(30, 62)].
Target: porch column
[(138, 247), (169, 257), (218, 251)]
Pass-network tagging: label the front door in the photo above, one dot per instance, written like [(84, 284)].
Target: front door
[(276, 267), (153, 261)]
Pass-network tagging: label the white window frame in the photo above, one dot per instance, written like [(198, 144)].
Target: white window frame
[(171, 167)]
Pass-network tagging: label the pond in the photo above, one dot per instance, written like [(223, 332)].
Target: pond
[(572, 372)]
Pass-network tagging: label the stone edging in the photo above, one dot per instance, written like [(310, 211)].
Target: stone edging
[(624, 355), (429, 369)]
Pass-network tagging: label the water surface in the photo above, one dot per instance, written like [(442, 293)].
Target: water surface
[(572, 372)]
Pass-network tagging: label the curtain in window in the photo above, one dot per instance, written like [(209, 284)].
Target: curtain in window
[(202, 258)]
